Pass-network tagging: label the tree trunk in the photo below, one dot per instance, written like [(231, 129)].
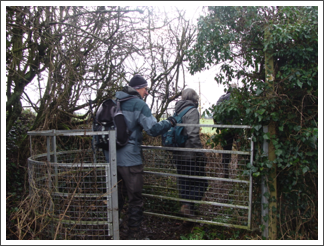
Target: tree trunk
[(271, 151)]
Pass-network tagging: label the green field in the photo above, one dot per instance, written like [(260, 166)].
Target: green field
[(207, 130)]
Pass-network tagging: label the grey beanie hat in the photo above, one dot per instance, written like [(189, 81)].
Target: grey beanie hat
[(138, 82)]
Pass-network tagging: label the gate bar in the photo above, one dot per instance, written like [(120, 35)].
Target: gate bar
[(197, 150), (198, 221), (197, 202), (198, 177), (217, 126)]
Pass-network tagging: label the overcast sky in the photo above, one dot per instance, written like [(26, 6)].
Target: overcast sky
[(210, 91)]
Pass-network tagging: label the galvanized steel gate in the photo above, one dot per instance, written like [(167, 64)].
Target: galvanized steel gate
[(226, 202), (74, 191)]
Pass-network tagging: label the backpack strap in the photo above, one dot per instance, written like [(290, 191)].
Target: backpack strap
[(122, 100), (118, 108), (126, 98), (183, 112)]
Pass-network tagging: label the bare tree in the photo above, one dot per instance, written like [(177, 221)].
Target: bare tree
[(162, 57), (80, 49), (86, 51)]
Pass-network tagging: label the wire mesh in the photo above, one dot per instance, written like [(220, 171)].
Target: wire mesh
[(197, 180), (76, 192), (72, 189)]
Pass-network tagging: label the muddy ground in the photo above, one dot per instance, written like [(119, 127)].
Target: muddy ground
[(156, 228)]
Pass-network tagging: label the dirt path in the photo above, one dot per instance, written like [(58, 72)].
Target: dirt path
[(156, 228)]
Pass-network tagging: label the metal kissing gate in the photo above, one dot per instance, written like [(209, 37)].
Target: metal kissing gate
[(76, 190)]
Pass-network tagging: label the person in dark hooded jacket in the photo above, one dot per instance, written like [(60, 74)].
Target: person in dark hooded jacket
[(138, 116), (190, 163), (229, 136)]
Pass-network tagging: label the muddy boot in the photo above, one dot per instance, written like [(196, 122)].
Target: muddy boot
[(135, 217), (133, 233)]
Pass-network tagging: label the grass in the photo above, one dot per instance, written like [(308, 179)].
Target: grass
[(207, 130)]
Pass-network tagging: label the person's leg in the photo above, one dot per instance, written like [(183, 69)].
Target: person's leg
[(182, 169), (122, 192), (197, 186), (133, 179), (200, 184), (186, 186), (226, 158)]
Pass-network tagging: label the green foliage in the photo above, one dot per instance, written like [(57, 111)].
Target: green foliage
[(212, 232), (197, 234), (290, 100)]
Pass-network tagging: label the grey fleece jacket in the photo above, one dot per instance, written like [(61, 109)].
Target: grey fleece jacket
[(191, 117)]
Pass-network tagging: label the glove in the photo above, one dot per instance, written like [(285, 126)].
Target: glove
[(172, 121)]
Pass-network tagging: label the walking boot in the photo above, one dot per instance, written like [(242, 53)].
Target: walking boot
[(133, 233)]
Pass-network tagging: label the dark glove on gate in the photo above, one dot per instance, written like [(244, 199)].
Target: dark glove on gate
[(172, 121)]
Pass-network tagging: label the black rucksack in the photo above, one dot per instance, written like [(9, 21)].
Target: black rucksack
[(174, 137), (109, 114)]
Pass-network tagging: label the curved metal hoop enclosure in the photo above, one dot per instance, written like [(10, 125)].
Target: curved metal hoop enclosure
[(73, 192)]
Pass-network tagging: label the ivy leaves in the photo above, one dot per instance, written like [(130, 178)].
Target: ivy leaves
[(234, 38)]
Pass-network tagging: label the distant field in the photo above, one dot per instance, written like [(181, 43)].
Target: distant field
[(207, 130)]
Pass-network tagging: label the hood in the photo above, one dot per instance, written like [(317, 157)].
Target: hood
[(126, 92), (180, 105)]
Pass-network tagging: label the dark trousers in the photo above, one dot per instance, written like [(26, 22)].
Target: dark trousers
[(226, 158), (191, 188), (130, 184)]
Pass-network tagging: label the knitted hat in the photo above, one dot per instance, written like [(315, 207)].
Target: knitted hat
[(138, 82)]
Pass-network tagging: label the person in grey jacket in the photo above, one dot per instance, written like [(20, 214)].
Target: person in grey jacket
[(138, 116), (190, 163)]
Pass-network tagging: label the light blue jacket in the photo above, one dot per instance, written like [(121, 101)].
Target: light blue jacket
[(138, 117)]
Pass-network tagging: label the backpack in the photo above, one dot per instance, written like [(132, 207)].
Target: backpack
[(110, 115), (174, 137)]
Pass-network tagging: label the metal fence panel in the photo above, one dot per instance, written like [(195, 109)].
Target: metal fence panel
[(73, 191), (174, 176), (72, 195)]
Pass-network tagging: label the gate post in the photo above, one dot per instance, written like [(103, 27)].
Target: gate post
[(113, 179), (268, 208), (273, 192)]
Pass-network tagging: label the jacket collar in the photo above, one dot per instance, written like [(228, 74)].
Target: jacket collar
[(126, 92), (180, 105)]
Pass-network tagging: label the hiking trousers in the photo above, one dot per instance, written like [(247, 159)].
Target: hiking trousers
[(226, 158), (130, 185), (191, 188)]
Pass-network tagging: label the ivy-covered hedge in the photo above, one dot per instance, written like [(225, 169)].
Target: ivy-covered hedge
[(239, 38)]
